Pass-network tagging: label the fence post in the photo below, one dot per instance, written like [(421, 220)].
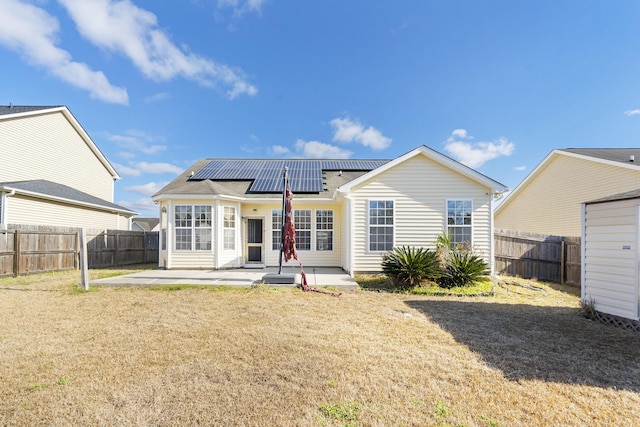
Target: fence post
[(84, 260), (563, 260), (16, 251), (144, 245)]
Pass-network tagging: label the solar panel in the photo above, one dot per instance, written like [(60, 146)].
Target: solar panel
[(305, 176)]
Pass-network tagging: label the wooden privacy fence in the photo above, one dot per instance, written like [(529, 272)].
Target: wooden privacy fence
[(28, 250), (543, 257)]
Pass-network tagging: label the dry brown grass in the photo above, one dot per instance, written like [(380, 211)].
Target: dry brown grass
[(282, 357)]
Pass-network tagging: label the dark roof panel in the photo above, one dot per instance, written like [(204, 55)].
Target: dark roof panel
[(305, 176), (52, 189), (622, 155), (16, 109)]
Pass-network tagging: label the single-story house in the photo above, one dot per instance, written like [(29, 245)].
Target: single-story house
[(611, 255), (226, 213), (145, 224), (548, 201), (52, 173)]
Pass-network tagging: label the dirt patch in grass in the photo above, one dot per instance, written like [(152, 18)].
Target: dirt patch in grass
[(282, 357)]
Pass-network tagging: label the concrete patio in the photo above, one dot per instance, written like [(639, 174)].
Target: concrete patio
[(242, 277)]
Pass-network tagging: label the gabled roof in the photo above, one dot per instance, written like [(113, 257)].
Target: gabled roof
[(633, 194), (622, 156), (48, 190), (262, 178), (619, 157), (235, 177), (147, 224), (19, 109), (8, 112), (440, 158)]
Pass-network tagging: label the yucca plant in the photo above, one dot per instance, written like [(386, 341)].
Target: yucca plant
[(463, 269), (408, 266)]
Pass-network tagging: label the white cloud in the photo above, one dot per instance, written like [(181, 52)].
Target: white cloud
[(122, 27), (138, 168), (520, 168), (126, 170), (475, 154), (32, 32), (240, 7), (635, 112), (279, 150), (347, 130), (143, 204), (147, 189), (146, 167), (137, 141), (160, 96), (320, 150), (459, 133)]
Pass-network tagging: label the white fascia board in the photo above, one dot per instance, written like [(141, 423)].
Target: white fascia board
[(528, 178), (164, 197), (71, 202), (495, 186)]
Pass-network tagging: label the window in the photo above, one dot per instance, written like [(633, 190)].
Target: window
[(324, 230), (459, 221), (302, 222), (193, 228), (229, 228), (380, 225), (276, 227)]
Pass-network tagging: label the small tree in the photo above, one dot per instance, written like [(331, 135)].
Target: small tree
[(409, 266), (463, 269)]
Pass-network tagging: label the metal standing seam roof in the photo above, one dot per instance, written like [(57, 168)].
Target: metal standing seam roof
[(305, 176)]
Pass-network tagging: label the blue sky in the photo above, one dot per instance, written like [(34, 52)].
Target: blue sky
[(494, 84)]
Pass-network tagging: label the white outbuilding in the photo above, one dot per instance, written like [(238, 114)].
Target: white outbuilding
[(611, 255)]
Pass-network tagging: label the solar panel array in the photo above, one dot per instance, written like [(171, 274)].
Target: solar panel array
[(305, 176)]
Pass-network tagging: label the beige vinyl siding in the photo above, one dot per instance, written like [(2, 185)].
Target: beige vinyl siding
[(611, 257), (45, 212), (550, 203), (419, 188), (192, 259), (48, 147)]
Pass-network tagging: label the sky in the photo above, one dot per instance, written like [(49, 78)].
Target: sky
[(494, 84)]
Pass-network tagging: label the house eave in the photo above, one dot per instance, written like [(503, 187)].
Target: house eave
[(19, 192)]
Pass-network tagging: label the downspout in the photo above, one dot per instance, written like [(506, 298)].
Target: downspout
[(160, 263), (492, 259), (169, 234), (5, 193), (583, 241), (218, 233)]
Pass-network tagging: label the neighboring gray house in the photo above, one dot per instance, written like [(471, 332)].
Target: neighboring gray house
[(52, 173), (145, 224)]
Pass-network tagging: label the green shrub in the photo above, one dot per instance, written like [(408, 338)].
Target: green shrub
[(463, 269), (408, 266)]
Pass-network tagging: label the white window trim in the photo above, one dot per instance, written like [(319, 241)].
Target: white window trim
[(315, 228), (393, 226), (193, 227), (446, 216), (234, 228)]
